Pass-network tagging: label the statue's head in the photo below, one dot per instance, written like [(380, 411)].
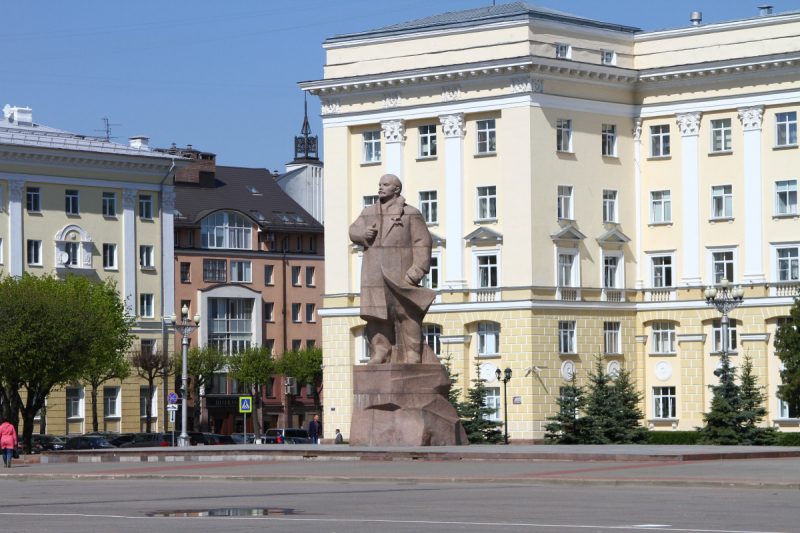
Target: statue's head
[(389, 187)]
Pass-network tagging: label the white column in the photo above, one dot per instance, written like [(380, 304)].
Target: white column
[(168, 250), (637, 158), (129, 257), (16, 248), (690, 197), (394, 134), (752, 118), (454, 131)]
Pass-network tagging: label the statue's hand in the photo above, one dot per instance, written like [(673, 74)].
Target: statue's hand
[(414, 275), (372, 232)]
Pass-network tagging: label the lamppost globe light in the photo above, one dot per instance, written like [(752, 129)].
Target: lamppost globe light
[(712, 292), (173, 318), (724, 283), (184, 311), (197, 318)]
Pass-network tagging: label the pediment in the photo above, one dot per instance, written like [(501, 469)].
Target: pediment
[(484, 235), (568, 234), (437, 241), (613, 236)]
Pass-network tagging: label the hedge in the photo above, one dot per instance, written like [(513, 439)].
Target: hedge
[(674, 437), (789, 439)]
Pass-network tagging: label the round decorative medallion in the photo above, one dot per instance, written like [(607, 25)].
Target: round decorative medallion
[(567, 370), (488, 372), (613, 369), (663, 370)]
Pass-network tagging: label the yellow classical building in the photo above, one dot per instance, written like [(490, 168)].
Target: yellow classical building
[(86, 205), (584, 182)]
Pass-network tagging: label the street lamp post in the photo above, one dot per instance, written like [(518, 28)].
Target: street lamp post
[(725, 302), (185, 328), (505, 379)]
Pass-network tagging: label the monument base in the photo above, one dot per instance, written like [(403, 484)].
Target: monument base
[(403, 405)]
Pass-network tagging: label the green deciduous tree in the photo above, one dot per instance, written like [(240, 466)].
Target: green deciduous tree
[(149, 365), (253, 366), (475, 414), (202, 363), (570, 425), (787, 348), (306, 367)]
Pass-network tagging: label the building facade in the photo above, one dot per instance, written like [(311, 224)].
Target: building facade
[(584, 182), (85, 205)]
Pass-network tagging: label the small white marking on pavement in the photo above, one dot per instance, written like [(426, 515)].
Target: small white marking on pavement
[(377, 520), (652, 525)]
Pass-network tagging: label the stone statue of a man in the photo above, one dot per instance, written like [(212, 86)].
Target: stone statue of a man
[(397, 254)]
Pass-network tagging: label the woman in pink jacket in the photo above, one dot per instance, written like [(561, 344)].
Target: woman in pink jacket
[(8, 441)]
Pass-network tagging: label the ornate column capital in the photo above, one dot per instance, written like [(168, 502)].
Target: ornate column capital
[(16, 189), (168, 200), (751, 117), (394, 131), (129, 197), (453, 125), (637, 129), (689, 123)]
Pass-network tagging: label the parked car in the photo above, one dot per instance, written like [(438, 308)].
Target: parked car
[(199, 438), (224, 439), (240, 438), (287, 436), (87, 443), (121, 439), (49, 442), (151, 440)]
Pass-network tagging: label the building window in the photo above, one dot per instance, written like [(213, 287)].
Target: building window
[(218, 384), (241, 272), (190, 235), (310, 343), (564, 199), (566, 336), (176, 239), (146, 257), (312, 246), (566, 263), (226, 230), (186, 269), (296, 343), (487, 137), (428, 206), (492, 401), (143, 402), (664, 402), (372, 146), (431, 279), (563, 51), (788, 264), (487, 203), (488, 338), (788, 411), (110, 256), (723, 265), (610, 206), (73, 202), (609, 140), (430, 335), (722, 201), (111, 402), (660, 206), (299, 242), (215, 270), (146, 206), (1, 250), (370, 200), (786, 197), (610, 271), (35, 253), (427, 141), (73, 254), (663, 337), (612, 340), (563, 135), (310, 276), (109, 204), (608, 57), (721, 135), (146, 305), (659, 141), (295, 312), (269, 309), (487, 271), (310, 308), (74, 403), (33, 197), (716, 329), (268, 272), (296, 276), (662, 271), (785, 129), (147, 346), (230, 323)]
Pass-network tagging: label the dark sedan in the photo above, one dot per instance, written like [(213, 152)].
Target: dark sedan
[(87, 443), (49, 442), (121, 439), (150, 440)]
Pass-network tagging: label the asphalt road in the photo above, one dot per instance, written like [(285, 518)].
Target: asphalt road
[(123, 505)]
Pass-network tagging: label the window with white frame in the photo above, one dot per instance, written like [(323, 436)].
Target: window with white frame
[(226, 230), (310, 276), (430, 335), (109, 204), (662, 271), (716, 330), (296, 312), (487, 137), (72, 198), (785, 129), (563, 51), (608, 57), (563, 135), (33, 199), (566, 336), (488, 338), (1, 250), (664, 402), (146, 305), (788, 263), (299, 242), (786, 197), (566, 270), (143, 401), (787, 410), (428, 205), (492, 400), (487, 203), (564, 202), (230, 323), (721, 137), (109, 256), (610, 206), (310, 316), (372, 146), (146, 257), (431, 279), (111, 402), (34, 252), (215, 270), (663, 337), (722, 201), (369, 200), (74, 401), (148, 346), (723, 265), (145, 206), (269, 270), (73, 251), (241, 272), (296, 276), (269, 310), (190, 235), (659, 141), (487, 271), (660, 206), (612, 337), (611, 271), (609, 138), (427, 141)]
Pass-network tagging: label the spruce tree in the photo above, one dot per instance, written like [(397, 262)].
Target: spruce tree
[(454, 393), (724, 418), (787, 348), (753, 410), (629, 414), (569, 425), (475, 414), (601, 406)]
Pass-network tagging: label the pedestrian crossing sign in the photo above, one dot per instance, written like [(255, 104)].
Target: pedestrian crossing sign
[(245, 404)]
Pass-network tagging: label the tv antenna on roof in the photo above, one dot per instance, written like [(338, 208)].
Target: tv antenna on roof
[(107, 129)]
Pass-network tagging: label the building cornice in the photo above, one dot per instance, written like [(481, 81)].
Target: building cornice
[(88, 160), (704, 29)]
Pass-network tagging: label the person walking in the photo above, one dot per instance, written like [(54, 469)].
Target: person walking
[(315, 430), (8, 441), (338, 439)]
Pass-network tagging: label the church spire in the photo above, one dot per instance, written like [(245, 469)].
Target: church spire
[(306, 145)]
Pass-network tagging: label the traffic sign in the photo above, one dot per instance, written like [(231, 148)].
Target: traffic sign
[(172, 417), (172, 398), (172, 407), (245, 404)]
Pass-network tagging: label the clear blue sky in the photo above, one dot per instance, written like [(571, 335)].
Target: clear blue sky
[(223, 76)]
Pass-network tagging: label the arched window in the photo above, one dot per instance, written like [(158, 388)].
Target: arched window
[(226, 230)]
